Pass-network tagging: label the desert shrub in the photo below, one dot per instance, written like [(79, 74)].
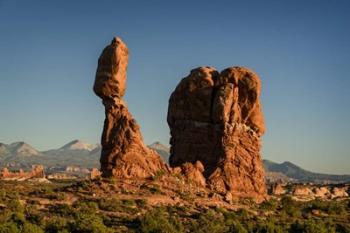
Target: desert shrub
[(89, 223), (62, 210), (60, 196), (155, 190), (242, 213), (269, 205), (157, 221), (232, 220), (290, 207), (184, 195), (82, 185), (9, 227), (312, 226), (209, 222), (237, 227), (129, 202), (230, 216), (18, 218), (16, 222), (336, 208), (330, 207), (110, 204), (247, 201), (31, 228), (158, 175), (88, 207), (2, 195), (343, 228), (5, 215), (15, 205), (268, 227), (56, 225), (45, 191), (141, 202), (35, 216)]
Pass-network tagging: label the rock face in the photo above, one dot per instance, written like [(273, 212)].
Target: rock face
[(302, 191), (216, 118), (193, 172), (124, 154)]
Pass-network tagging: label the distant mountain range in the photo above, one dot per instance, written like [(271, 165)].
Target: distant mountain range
[(299, 174), (22, 155), (78, 153), (162, 150)]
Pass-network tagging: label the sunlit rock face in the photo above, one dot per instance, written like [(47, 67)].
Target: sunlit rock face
[(124, 154), (216, 118)]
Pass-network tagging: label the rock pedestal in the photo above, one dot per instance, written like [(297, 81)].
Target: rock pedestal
[(216, 118), (124, 154)]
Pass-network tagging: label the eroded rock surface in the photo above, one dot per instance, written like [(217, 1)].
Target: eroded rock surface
[(37, 171), (124, 154), (278, 189), (302, 191), (216, 118), (339, 192), (321, 192), (192, 172)]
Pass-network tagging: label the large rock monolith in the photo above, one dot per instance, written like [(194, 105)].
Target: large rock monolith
[(124, 154), (216, 118)]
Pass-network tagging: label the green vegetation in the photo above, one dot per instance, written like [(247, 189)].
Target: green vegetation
[(36, 210), (159, 220)]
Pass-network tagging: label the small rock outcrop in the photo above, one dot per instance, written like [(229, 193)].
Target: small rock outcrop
[(95, 174), (303, 191), (339, 192), (278, 189), (192, 172), (37, 171), (216, 118), (124, 154), (321, 192)]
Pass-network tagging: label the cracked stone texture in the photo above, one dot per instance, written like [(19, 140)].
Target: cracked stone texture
[(124, 154), (216, 118)]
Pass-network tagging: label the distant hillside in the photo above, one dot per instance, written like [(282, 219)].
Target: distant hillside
[(301, 175), (22, 155), (162, 150)]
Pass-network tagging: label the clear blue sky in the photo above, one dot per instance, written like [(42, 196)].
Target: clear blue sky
[(300, 49)]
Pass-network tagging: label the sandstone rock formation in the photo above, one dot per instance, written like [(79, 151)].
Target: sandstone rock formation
[(193, 172), (278, 189), (37, 171), (95, 174), (303, 191), (321, 192), (216, 118), (339, 192), (124, 154)]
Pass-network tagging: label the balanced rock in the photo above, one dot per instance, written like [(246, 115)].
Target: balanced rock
[(216, 118), (124, 154)]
